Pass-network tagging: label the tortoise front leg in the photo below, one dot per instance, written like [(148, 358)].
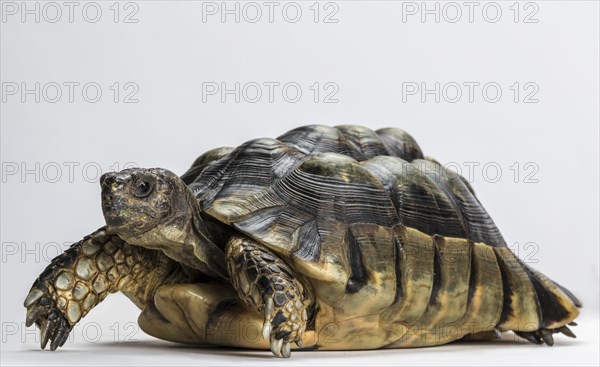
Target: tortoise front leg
[(80, 278), (267, 284)]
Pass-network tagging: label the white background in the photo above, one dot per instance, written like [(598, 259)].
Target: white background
[(549, 215)]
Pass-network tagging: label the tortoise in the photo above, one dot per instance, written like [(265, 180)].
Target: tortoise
[(329, 238)]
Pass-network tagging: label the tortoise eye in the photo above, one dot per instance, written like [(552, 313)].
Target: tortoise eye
[(142, 189)]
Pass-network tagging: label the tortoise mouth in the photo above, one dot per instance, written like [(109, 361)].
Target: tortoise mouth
[(113, 209), (126, 217), (114, 220)]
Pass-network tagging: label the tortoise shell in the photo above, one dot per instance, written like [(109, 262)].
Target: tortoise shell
[(354, 211)]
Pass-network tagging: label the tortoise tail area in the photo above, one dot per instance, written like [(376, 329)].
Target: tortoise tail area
[(534, 307)]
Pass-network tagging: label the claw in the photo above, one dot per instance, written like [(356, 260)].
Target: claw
[(299, 343), (276, 346), (565, 330), (65, 337), (45, 333), (286, 350), (529, 336), (267, 327), (33, 316), (572, 323), (57, 339), (266, 330), (268, 308), (33, 296), (547, 336)]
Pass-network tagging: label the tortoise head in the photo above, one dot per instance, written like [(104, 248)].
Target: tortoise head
[(138, 200), (153, 208)]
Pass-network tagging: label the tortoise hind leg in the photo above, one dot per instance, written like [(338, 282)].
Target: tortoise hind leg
[(544, 336), (535, 307)]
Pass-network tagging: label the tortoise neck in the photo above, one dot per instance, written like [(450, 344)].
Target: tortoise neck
[(205, 248)]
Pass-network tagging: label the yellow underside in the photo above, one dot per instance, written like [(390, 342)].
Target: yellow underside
[(427, 314)]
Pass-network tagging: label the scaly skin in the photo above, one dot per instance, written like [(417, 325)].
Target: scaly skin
[(265, 283), (76, 281)]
